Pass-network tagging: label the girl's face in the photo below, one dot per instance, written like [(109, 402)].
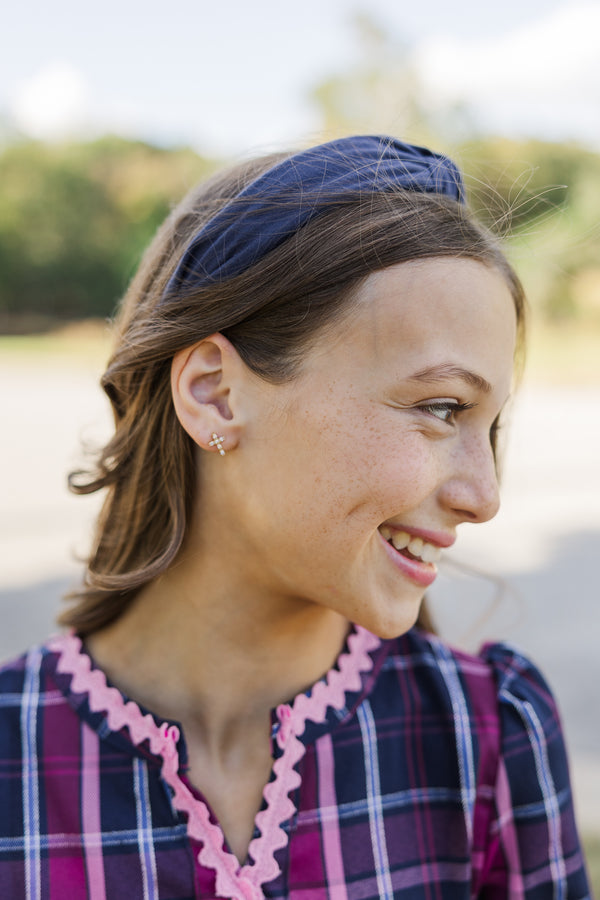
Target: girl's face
[(383, 439)]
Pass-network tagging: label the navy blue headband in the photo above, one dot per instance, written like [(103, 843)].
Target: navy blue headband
[(277, 203)]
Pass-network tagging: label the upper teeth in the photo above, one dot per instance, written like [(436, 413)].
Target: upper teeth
[(401, 540)]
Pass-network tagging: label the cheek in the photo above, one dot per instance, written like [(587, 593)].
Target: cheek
[(380, 477), (348, 459), (405, 474)]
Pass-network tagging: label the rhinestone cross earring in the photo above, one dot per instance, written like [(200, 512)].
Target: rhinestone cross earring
[(217, 442)]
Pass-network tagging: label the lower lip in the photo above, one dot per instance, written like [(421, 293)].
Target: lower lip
[(420, 573)]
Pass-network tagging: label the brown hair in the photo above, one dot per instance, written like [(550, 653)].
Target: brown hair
[(270, 312)]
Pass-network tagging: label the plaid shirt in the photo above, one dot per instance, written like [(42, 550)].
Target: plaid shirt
[(411, 771)]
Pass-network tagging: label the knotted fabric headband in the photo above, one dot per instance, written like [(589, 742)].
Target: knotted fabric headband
[(296, 190)]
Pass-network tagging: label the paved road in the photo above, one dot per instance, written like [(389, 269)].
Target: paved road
[(543, 548)]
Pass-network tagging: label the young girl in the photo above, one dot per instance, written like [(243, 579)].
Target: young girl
[(309, 372)]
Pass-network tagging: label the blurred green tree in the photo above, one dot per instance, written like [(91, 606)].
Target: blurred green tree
[(543, 197), (75, 218)]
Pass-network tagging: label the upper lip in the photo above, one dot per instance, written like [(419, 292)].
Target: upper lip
[(439, 538)]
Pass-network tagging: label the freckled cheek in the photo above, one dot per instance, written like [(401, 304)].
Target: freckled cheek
[(405, 477), (333, 449)]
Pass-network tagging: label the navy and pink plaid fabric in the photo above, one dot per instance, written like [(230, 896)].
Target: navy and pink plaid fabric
[(438, 776)]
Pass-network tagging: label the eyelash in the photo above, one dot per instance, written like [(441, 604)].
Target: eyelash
[(446, 406)]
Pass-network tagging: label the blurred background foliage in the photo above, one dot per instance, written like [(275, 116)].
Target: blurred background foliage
[(75, 217), (74, 220)]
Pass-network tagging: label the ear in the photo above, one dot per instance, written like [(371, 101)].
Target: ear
[(204, 384)]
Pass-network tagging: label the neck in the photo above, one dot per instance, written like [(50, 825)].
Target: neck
[(213, 654)]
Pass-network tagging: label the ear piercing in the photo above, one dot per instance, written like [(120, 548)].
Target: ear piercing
[(217, 442)]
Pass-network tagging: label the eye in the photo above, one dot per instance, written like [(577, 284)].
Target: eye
[(445, 410)]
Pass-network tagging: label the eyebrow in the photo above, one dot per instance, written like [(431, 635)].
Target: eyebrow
[(447, 372)]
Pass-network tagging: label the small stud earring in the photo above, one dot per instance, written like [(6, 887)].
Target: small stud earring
[(217, 442)]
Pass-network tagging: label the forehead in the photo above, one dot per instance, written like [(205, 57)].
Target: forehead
[(427, 313)]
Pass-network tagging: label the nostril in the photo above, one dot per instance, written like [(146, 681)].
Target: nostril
[(467, 515)]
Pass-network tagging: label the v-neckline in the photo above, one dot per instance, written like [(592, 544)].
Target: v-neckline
[(234, 881)]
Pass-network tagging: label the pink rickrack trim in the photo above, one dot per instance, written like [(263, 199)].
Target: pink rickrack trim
[(232, 881), (329, 692)]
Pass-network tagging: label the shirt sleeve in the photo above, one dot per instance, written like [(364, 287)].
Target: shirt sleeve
[(533, 847)]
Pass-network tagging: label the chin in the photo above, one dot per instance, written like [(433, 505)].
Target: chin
[(391, 626)]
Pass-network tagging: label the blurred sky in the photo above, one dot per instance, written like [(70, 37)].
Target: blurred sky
[(231, 76)]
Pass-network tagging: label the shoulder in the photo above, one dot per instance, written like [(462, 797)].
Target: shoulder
[(533, 766), (26, 687), (16, 674), (497, 701), (515, 674), (533, 824), (504, 718), (499, 673), (526, 704), (426, 687), (444, 675)]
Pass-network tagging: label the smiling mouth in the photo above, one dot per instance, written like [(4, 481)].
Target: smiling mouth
[(411, 547)]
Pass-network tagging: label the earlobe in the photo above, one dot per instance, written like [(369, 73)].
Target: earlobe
[(203, 384)]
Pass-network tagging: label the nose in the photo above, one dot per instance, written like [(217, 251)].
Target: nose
[(471, 491)]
